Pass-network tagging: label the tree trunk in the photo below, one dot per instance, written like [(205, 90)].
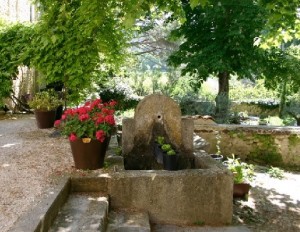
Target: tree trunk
[(282, 98), (222, 99)]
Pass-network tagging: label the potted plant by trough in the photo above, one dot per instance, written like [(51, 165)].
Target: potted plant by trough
[(243, 173), (45, 104), (89, 128), (217, 156)]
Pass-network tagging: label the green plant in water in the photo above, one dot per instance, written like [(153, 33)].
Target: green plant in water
[(276, 172), (160, 140), (166, 147), (171, 152)]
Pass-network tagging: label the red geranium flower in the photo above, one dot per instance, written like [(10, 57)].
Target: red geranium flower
[(93, 120), (100, 135), (57, 123), (72, 137)]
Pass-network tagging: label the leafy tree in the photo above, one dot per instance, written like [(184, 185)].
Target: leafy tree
[(219, 40), (282, 72), (282, 23)]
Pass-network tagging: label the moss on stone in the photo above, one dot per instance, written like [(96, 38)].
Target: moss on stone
[(294, 140), (266, 151)]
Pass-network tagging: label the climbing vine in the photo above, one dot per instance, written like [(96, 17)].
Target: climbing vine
[(14, 52)]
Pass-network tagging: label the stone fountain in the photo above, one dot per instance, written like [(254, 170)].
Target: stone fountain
[(201, 191)]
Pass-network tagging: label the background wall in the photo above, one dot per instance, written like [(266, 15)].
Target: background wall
[(278, 146)]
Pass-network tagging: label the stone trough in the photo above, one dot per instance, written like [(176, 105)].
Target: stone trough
[(199, 195)]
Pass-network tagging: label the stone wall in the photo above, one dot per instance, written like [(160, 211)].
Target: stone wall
[(279, 146), (18, 10)]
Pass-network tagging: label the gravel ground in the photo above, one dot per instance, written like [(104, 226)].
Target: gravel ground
[(31, 162)]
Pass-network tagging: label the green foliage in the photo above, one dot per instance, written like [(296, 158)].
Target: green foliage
[(118, 151), (14, 45), (171, 152), (247, 90), (275, 172), (282, 24), (283, 65), (166, 147), (242, 171), (219, 40), (219, 37), (294, 140), (160, 140), (45, 101), (292, 107), (120, 92), (71, 46)]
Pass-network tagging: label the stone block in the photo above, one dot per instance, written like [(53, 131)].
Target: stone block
[(176, 197)]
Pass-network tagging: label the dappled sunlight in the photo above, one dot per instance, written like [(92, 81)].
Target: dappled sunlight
[(5, 165), (276, 205), (104, 175), (10, 145)]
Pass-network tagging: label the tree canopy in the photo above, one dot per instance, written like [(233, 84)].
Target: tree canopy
[(219, 39), (75, 41)]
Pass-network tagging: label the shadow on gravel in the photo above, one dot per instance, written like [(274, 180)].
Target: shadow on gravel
[(271, 211)]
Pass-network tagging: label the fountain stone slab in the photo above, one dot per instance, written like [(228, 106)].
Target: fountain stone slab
[(156, 115)]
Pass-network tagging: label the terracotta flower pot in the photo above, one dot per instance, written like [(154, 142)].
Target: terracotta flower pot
[(89, 155), (45, 119), (241, 190)]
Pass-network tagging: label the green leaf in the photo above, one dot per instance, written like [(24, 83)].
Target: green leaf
[(194, 3)]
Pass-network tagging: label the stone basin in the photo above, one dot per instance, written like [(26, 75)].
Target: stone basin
[(192, 196)]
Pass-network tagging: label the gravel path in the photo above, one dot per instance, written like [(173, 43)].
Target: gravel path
[(31, 162)]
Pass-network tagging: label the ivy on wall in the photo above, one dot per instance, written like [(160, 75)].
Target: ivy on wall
[(14, 52)]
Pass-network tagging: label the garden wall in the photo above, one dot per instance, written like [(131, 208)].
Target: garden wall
[(278, 146), (208, 108)]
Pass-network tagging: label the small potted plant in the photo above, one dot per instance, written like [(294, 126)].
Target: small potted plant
[(243, 173), (169, 157), (217, 156), (45, 104), (89, 128)]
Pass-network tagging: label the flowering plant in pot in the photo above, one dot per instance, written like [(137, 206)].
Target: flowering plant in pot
[(45, 104), (88, 128), (242, 173)]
